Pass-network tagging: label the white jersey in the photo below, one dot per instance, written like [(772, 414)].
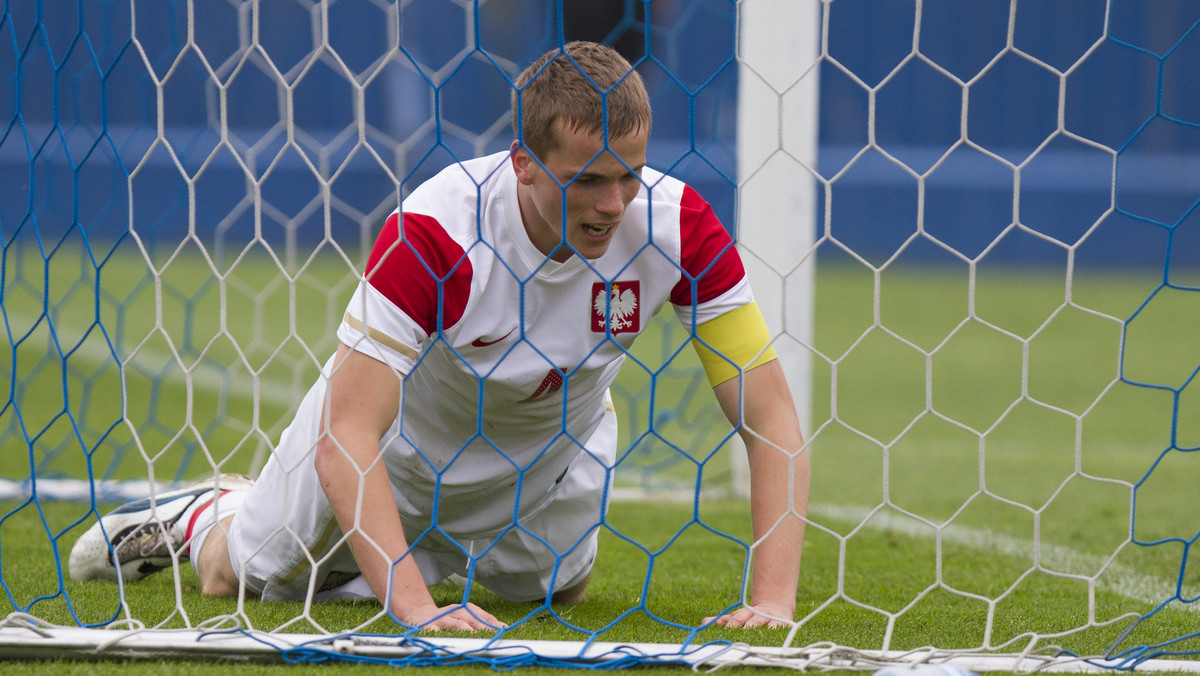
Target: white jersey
[(508, 355)]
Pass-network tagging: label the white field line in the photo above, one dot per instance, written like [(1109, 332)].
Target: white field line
[(1116, 578), (205, 378)]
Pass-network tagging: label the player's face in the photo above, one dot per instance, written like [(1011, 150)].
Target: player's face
[(597, 184)]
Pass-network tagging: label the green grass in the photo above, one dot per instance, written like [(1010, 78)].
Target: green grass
[(976, 455)]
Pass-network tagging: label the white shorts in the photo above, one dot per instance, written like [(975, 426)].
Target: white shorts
[(285, 543)]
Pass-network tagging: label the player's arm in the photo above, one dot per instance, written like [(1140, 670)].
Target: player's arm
[(752, 390), (363, 401)]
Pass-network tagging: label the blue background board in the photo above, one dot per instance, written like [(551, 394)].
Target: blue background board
[(82, 154), (1128, 89)]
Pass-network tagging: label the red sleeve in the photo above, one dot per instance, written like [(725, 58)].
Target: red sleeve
[(420, 270), (707, 256)]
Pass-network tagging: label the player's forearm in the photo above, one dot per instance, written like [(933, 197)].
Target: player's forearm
[(363, 398), (779, 481), (361, 497), (779, 486)]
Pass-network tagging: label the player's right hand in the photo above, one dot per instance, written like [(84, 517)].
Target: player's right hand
[(457, 617)]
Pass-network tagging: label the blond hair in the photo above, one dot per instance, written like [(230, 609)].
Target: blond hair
[(578, 84)]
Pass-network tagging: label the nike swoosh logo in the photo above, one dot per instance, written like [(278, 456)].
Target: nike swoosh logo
[(479, 342)]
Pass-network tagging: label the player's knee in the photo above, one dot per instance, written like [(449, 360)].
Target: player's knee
[(576, 593), (218, 587), (216, 577), (213, 565)]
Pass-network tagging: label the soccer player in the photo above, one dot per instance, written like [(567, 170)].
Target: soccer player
[(464, 424)]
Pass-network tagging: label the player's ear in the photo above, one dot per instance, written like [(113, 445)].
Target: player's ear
[(524, 164)]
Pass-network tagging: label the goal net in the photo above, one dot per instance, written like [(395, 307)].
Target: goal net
[(971, 227)]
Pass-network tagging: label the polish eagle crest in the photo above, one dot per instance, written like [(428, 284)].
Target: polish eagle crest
[(621, 304)]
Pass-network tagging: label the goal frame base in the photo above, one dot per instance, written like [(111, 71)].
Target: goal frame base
[(24, 637)]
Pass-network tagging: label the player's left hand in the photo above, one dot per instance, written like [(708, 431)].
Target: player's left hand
[(760, 615)]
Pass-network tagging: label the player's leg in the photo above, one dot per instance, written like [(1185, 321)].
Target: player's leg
[(592, 481), (147, 535), (288, 524), (576, 593), (554, 550), (265, 539), (217, 577)]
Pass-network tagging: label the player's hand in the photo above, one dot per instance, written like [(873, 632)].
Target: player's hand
[(760, 615), (458, 617)]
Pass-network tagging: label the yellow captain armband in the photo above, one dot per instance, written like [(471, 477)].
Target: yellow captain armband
[(734, 342)]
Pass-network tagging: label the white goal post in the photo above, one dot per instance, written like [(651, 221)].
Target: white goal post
[(778, 89)]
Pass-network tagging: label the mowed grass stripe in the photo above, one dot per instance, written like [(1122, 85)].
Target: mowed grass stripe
[(89, 355), (1115, 578)]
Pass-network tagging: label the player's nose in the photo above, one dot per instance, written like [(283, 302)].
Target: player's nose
[(610, 201)]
